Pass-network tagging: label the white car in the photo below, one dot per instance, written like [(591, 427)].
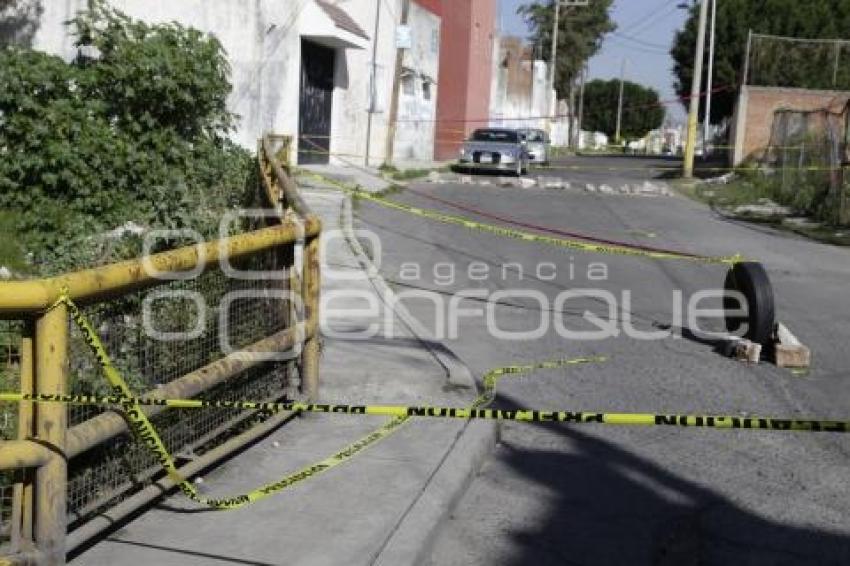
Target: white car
[(495, 149), (537, 145)]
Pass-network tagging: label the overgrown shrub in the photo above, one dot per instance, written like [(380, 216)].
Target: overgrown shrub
[(133, 129)]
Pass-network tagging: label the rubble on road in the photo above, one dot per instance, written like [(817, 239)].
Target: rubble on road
[(721, 180), (764, 208), (647, 188), (801, 222)]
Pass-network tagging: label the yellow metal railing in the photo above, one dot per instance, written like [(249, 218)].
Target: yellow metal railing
[(46, 444)]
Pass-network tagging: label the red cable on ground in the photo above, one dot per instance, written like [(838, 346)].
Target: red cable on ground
[(540, 228), (548, 229)]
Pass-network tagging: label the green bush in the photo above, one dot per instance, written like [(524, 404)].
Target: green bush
[(134, 129)]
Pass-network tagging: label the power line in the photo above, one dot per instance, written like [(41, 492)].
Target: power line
[(658, 17), (640, 41), (653, 50), (648, 16)]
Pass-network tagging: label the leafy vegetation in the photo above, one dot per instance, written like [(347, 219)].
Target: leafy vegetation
[(755, 187), (134, 129), (642, 109), (788, 65), (580, 33)]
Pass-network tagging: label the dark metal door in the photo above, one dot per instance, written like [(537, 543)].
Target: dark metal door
[(317, 85)]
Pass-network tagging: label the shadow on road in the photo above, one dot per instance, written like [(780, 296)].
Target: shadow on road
[(610, 506)]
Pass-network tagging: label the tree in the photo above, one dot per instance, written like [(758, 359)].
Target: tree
[(137, 133), (579, 35), (787, 67), (642, 109)]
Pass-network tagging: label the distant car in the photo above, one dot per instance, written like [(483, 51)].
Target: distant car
[(537, 145), (495, 149)]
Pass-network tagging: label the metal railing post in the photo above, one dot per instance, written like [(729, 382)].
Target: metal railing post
[(51, 377), (22, 500), (311, 285)]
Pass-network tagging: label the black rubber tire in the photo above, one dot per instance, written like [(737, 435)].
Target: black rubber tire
[(751, 280)]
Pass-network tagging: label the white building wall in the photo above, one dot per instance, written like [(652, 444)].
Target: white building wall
[(518, 110), (263, 43), (351, 98), (417, 110)]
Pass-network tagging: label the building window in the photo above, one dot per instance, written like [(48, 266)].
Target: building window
[(408, 86), (426, 90)]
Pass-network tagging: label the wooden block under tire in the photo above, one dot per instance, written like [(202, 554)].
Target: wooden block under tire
[(793, 356), (789, 351)]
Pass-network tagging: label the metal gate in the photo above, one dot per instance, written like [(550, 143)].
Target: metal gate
[(317, 84)]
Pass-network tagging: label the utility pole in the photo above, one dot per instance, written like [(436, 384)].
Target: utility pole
[(373, 88), (620, 101), (693, 114), (399, 61), (583, 79), (553, 60), (709, 85)]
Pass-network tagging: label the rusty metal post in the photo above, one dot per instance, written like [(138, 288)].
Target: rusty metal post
[(22, 502), (311, 287), (51, 376)]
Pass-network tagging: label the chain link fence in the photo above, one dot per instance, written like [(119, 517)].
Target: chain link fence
[(10, 369), (805, 163), (155, 337), (214, 314), (776, 61)]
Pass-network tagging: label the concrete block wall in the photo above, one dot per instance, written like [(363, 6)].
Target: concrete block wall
[(755, 109)]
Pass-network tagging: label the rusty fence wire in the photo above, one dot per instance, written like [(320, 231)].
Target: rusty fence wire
[(254, 310), (806, 160), (10, 367), (244, 326)]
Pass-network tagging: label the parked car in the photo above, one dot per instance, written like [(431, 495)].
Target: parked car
[(537, 145), (495, 149)]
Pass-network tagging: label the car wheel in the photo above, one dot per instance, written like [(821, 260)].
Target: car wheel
[(751, 280)]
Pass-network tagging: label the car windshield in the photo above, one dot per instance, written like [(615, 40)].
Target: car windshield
[(500, 136), (535, 136)]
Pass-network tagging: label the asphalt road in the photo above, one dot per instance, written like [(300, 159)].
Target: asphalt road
[(557, 494)]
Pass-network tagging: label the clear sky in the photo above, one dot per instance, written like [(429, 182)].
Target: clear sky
[(645, 30)]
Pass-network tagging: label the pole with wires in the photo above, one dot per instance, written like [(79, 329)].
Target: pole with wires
[(399, 61), (577, 139), (706, 135), (693, 114), (620, 101), (553, 58), (373, 88)]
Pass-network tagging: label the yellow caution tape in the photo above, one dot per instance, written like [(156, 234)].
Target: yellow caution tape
[(519, 234), (144, 430), (472, 413)]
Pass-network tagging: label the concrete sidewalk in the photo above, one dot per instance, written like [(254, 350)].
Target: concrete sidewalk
[(381, 507), (371, 178)]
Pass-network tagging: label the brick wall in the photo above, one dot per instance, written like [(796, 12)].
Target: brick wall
[(466, 55), (754, 114)]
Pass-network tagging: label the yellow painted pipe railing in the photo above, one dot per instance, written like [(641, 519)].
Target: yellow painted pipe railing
[(45, 444)]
